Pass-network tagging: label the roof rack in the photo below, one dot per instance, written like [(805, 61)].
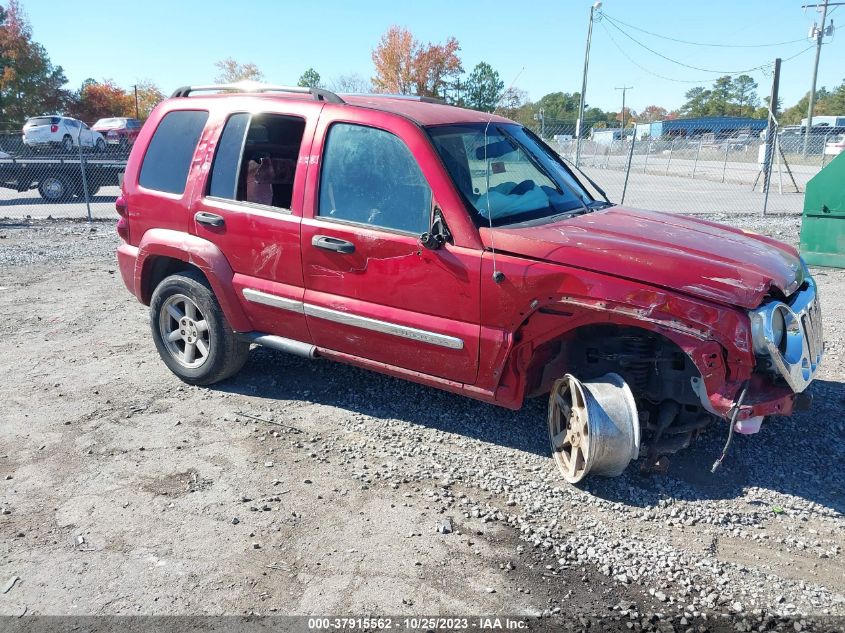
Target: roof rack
[(254, 86), (386, 95)]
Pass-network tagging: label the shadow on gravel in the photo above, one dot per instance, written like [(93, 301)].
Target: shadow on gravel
[(800, 455), (277, 376)]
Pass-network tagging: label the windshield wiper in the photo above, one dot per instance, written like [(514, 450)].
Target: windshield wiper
[(588, 179)]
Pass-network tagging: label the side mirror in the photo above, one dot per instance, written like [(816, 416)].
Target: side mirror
[(430, 241), (438, 235)]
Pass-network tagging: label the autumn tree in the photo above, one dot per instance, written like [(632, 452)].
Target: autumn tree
[(404, 66), (149, 97), (99, 100), (29, 83), (628, 116), (482, 88), (652, 113), (231, 71), (309, 79), (394, 62), (436, 66)]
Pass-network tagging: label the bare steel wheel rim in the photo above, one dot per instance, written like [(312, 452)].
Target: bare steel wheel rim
[(184, 331), (569, 429)]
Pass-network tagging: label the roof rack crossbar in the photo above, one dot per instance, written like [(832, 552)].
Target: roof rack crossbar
[(252, 86)]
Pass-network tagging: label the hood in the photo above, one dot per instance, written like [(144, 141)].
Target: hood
[(682, 253)]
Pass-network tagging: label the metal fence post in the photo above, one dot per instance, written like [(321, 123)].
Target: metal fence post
[(669, 162), (725, 164), (647, 149), (695, 162), (84, 175), (628, 168), (824, 155)]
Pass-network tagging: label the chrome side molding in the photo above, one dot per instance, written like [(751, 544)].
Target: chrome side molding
[(355, 320)]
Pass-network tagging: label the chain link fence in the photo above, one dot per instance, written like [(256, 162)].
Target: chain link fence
[(61, 177), (709, 172)]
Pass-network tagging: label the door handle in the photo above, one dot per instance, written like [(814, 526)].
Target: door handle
[(211, 219), (332, 244)]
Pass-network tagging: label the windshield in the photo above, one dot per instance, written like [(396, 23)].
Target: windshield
[(109, 122), (507, 176)]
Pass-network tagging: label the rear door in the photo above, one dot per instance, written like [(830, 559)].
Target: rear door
[(250, 207), (371, 290)]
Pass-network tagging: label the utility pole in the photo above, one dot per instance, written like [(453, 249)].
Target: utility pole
[(771, 130), (580, 124), (624, 89), (818, 33), (135, 87)]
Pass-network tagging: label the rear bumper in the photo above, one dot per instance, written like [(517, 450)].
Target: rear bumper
[(127, 259)]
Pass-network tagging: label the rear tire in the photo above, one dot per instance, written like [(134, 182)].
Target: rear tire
[(191, 333), (67, 144), (100, 147), (55, 189)]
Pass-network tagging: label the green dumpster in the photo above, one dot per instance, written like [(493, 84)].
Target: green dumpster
[(823, 224)]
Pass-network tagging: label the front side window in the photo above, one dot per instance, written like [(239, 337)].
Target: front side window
[(505, 175), (369, 176), (168, 158), (256, 159)]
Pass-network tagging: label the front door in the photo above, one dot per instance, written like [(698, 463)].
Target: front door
[(371, 290)]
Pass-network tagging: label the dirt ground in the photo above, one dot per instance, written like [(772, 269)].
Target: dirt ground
[(308, 487)]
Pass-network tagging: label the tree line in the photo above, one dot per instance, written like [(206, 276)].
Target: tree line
[(30, 84)]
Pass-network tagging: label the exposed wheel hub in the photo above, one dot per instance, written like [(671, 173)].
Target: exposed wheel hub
[(593, 426)]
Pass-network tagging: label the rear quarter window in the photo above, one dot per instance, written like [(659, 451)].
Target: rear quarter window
[(168, 157)]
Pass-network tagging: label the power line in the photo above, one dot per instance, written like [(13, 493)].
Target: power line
[(687, 81), (673, 39), (679, 63)]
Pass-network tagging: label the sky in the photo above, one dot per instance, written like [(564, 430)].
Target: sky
[(537, 46)]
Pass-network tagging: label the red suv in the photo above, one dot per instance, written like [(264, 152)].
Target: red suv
[(454, 248)]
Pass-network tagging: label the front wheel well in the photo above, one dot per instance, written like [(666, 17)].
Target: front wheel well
[(655, 367), (158, 268)]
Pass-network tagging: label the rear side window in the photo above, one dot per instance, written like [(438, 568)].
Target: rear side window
[(224, 174), (256, 159), (170, 151)]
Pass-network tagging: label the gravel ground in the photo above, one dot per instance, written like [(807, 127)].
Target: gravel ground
[(310, 487)]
